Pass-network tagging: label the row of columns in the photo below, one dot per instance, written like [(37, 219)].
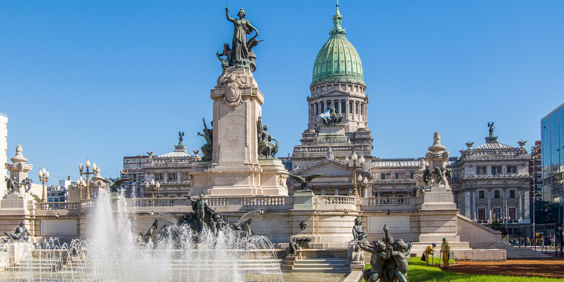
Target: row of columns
[(471, 205)]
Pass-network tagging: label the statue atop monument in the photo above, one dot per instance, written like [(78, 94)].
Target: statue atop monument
[(240, 54)]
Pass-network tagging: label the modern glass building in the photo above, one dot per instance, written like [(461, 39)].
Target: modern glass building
[(552, 136)]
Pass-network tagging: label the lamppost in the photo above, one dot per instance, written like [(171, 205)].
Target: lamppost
[(95, 169), (43, 177), (80, 185), (362, 182), (355, 163), (154, 187), (534, 231)]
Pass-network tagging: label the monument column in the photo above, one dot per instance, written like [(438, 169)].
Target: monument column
[(240, 154)]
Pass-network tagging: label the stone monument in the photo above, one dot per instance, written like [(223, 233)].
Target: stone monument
[(437, 208), (240, 159)]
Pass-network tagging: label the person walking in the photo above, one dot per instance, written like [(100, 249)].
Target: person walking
[(445, 249)]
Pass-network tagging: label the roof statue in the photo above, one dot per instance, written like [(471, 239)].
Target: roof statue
[(240, 54), (180, 135), (521, 143), (491, 138), (491, 126)]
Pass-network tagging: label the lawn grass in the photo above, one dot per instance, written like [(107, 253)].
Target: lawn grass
[(418, 271)]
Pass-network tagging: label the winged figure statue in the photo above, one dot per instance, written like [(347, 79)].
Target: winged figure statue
[(304, 181), (112, 185)]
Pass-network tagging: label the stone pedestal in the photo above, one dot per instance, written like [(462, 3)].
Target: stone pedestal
[(235, 167), (15, 209), (355, 256)]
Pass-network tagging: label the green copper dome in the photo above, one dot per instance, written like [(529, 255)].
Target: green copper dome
[(337, 60)]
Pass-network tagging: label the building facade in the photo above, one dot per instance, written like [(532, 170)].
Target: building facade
[(552, 138), (3, 151), (535, 171), (172, 171), (491, 182), (133, 169)]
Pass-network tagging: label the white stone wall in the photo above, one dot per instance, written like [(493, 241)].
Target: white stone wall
[(3, 151)]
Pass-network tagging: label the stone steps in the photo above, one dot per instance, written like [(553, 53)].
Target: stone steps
[(321, 265), (520, 253)]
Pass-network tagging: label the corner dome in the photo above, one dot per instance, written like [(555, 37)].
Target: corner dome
[(338, 60)]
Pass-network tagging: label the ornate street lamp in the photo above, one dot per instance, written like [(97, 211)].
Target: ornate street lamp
[(95, 169), (362, 181), (43, 177), (355, 163), (154, 186), (80, 184)]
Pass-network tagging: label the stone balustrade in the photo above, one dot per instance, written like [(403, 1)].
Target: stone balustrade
[(388, 203), (263, 201), (57, 206), (159, 202), (339, 200)]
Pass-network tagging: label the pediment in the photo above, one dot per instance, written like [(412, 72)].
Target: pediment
[(329, 169)]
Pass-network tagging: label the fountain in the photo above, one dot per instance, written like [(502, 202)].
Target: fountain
[(186, 250)]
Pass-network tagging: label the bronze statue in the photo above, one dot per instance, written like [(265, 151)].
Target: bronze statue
[(266, 148), (10, 185), (180, 135), (112, 186), (240, 46), (305, 181), (207, 149), (293, 247), (389, 259), (358, 234), (21, 234), (399, 251), (378, 250), (26, 183), (491, 126), (333, 118), (227, 53)]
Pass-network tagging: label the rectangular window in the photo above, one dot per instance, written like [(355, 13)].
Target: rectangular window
[(411, 176), (511, 193), (496, 194), (328, 104), (172, 176), (356, 108), (482, 214), (316, 109), (481, 170), (350, 107), (511, 169), (496, 170), (397, 176), (159, 176), (322, 108), (388, 175), (512, 213), (497, 213), (383, 176), (481, 194), (362, 108), (336, 106), (343, 107)]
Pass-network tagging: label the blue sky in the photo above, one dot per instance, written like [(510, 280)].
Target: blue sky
[(107, 79)]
